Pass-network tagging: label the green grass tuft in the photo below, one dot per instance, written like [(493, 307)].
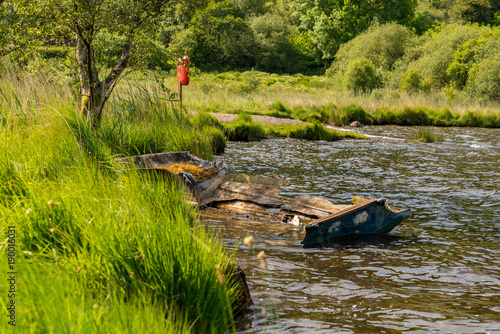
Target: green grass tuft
[(314, 131), (426, 135)]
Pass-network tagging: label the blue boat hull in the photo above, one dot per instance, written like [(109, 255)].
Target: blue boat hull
[(371, 217)]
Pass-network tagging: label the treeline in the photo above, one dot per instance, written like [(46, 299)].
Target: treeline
[(452, 57), (394, 44), (299, 35), (413, 45)]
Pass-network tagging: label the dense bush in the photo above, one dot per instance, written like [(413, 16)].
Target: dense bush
[(471, 53), (433, 53), (382, 45), (361, 76), (222, 37), (479, 11), (275, 52), (411, 81), (485, 78)]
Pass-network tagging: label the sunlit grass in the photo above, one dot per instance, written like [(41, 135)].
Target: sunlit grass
[(119, 238), (306, 97), (426, 135)]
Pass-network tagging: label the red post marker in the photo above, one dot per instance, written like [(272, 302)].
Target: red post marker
[(182, 75)]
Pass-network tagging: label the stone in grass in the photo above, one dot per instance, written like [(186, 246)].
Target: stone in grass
[(356, 124)]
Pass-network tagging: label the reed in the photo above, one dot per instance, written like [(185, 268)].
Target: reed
[(120, 238)]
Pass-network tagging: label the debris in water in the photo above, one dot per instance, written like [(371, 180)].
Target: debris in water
[(199, 173)]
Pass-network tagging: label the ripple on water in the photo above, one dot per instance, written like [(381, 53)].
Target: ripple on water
[(438, 272)]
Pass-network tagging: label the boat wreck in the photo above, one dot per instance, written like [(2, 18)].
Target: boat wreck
[(211, 187)]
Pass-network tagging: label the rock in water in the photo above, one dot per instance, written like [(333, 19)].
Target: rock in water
[(356, 124)]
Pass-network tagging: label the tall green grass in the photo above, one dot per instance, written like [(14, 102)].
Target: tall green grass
[(426, 135), (314, 131), (119, 238)]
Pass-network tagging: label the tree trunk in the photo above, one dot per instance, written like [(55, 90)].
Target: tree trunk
[(95, 92)]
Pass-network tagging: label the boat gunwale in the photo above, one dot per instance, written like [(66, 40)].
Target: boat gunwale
[(342, 213)]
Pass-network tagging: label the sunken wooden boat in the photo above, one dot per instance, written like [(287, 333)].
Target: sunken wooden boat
[(196, 174), (211, 187), (373, 216)]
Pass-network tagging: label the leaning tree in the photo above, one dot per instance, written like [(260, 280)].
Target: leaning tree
[(130, 21)]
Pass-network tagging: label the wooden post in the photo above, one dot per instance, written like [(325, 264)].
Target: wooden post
[(180, 95)]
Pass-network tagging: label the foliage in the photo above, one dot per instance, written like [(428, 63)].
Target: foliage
[(103, 236), (471, 53), (223, 37), (383, 45), (361, 76), (485, 78), (333, 22), (479, 11), (276, 53), (411, 81), (433, 53)]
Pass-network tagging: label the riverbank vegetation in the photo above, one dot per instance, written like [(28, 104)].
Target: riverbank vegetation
[(248, 55), (100, 248), (426, 135), (119, 244)]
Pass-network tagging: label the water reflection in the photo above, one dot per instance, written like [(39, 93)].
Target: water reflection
[(439, 271)]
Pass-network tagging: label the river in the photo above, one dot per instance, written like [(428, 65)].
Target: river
[(437, 272)]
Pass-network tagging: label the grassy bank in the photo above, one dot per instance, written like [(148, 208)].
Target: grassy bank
[(98, 248), (245, 129), (317, 98)]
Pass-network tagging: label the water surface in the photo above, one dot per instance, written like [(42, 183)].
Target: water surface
[(438, 272)]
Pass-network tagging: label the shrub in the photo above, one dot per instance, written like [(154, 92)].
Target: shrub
[(382, 45), (411, 81), (484, 78), (276, 53), (472, 52), (479, 11), (361, 76), (433, 53)]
